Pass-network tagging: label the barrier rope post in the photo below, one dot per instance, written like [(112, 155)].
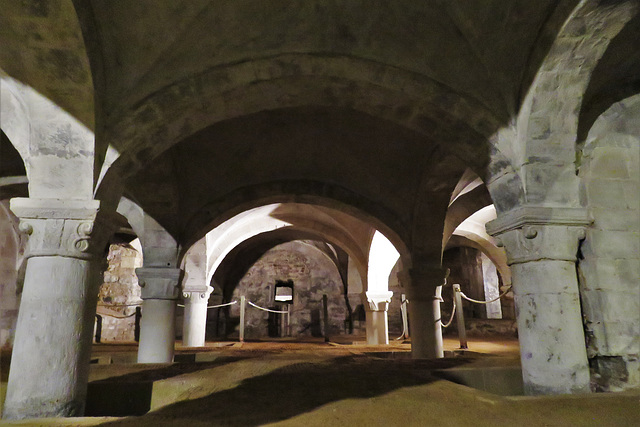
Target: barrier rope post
[(325, 311), (136, 329), (405, 319), (288, 322), (243, 306), (462, 332), (98, 328)]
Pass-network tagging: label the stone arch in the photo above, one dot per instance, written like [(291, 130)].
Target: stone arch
[(133, 213), (304, 192), (263, 242), (408, 99), (12, 246), (13, 175), (15, 120), (326, 224), (463, 207), (48, 139), (158, 246), (544, 150), (441, 174)]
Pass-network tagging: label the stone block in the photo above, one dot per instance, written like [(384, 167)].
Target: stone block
[(128, 263), (614, 338), (632, 194), (610, 274), (610, 162), (606, 193), (549, 184), (612, 244), (611, 306), (609, 218)]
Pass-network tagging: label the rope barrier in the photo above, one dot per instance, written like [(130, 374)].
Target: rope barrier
[(215, 306), (453, 312), (266, 309), (120, 305), (117, 317), (485, 302), (223, 305)]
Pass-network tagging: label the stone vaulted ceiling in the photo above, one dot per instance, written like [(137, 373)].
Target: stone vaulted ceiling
[(202, 99), (482, 49)]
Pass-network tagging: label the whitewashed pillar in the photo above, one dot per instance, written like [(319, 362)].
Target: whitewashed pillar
[(542, 246), (377, 320), (50, 360), (425, 325), (195, 316), (160, 292)]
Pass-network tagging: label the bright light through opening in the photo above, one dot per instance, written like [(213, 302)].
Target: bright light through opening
[(382, 257)]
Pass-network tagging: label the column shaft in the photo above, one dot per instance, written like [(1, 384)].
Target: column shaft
[(50, 360), (550, 329), (195, 323), (377, 321), (542, 246), (157, 331), (377, 327), (158, 324), (425, 328)]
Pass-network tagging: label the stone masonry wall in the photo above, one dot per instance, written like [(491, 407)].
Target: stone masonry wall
[(609, 270), (12, 245), (313, 275), (119, 294)]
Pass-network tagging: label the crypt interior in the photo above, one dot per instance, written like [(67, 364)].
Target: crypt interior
[(320, 212)]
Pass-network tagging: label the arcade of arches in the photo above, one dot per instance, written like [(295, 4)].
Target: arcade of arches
[(189, 153)]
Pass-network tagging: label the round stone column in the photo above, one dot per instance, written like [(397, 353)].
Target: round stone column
[(195, 317), (160, 291), (377, 322), (50, 360), (542, 247), (425, 325)]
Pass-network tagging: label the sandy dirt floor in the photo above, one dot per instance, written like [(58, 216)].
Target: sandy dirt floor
[(325, 384)]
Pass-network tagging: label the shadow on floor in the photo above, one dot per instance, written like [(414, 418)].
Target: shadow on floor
[(130, 394), (296, 389)]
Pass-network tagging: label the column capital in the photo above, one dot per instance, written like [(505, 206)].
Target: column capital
[(159, 282), (428, 275), (532, 233), (378, 301), (195, 296), (60, 227)]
